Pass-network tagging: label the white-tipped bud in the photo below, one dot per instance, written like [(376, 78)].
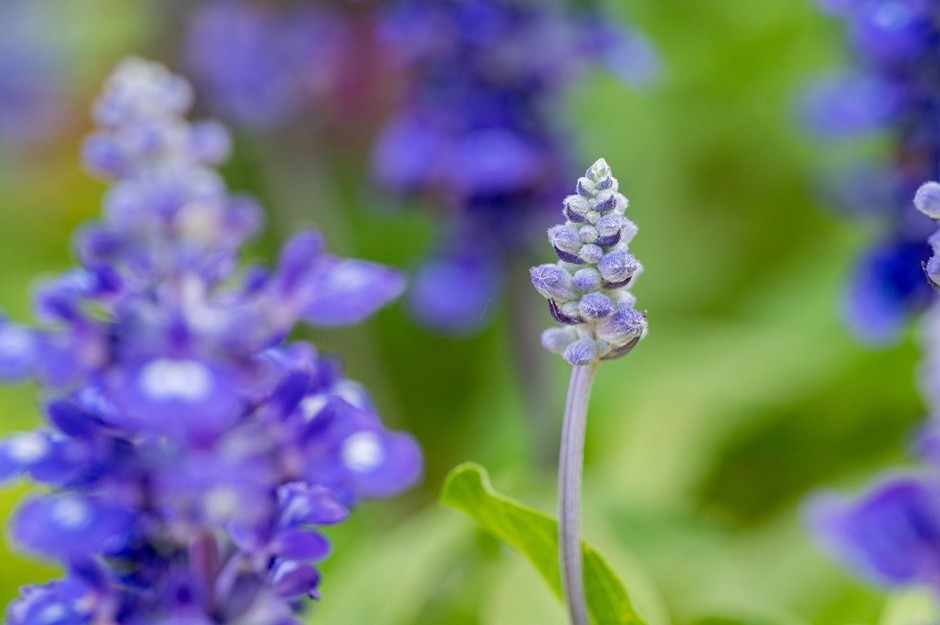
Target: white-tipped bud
[(927, 199), (587, 234), (622, 204), (609, 225), (577, 204), (606, 201), (622, 327), (587, 279), (618, 266), (557, 340), (552, 282), (586, 187), (595, 306), (590, 253), (581, 352), (565, 238), (600, 169)]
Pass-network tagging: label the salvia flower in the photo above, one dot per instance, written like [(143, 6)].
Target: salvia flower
[(190, 454), (890, 534), (892, 89), (482, 132), (588, 288)]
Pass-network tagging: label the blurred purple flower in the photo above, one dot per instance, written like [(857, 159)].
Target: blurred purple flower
[(892, 88), (265, 65), (891, 535), (192, 453), (482, 130)]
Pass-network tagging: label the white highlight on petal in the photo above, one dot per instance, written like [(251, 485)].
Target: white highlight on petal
[(311, 406), (351, 392), (348, 277), (221, 502), (15, 342), (27, 448), (71, 513), (165, 378), (362, 452)]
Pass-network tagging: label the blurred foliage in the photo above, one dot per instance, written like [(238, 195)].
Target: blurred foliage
[(748, 393)]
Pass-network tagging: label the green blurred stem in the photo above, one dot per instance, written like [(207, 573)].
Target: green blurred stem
[(570, 474)]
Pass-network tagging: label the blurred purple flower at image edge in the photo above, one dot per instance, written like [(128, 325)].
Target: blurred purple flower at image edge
[(190, 453)]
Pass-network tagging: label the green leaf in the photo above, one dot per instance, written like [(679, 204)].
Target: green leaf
[(535, 535)]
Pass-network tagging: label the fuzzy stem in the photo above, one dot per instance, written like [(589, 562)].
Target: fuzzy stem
[(570, 471)]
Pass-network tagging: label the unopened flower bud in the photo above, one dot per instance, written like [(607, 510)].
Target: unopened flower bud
[(552, 282), (927, 199), (581, 352)]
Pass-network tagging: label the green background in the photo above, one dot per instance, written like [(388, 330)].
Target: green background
[(748, 393)]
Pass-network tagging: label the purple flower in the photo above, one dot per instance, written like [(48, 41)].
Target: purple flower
[(891, 88), (191, 452), (891, 535), (265, 66), (481, 133), (587, 288)]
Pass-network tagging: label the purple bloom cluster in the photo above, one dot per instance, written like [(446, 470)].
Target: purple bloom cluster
[(481, 132), (587, 289), (190, 454), (891, 534), (892, 88), (263, 64)]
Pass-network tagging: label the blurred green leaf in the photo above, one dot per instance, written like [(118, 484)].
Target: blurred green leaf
[(535, 535), (911, 608)]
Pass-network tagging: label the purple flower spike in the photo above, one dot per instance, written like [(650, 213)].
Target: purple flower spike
[(192, 454), (891, 535), (480, 137), (592, 296)]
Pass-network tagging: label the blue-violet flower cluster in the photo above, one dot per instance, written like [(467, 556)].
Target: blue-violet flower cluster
[(891, 534), (482, 134), (191, 454), (587, 289), (892, 88)]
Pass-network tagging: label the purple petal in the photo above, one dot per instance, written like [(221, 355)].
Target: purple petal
[(890, 535), (70, 526), (455, 295), (297, 544), (345, 292)]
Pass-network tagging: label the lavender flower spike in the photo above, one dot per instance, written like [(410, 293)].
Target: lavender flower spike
[(587, 289), (587, 292), (190, 454)]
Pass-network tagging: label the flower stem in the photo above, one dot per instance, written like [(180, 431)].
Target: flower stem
[(570, 470)]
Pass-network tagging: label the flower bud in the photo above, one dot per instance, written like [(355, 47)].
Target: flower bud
[(623, 326), (927, 200), (552, 282), (564, 238), (595, 306), (587, 234), (581, 352), (557, 340), (590, 253), (587, 279), (617, 266)]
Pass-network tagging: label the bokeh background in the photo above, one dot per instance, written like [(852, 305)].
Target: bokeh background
[(748, 393)]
